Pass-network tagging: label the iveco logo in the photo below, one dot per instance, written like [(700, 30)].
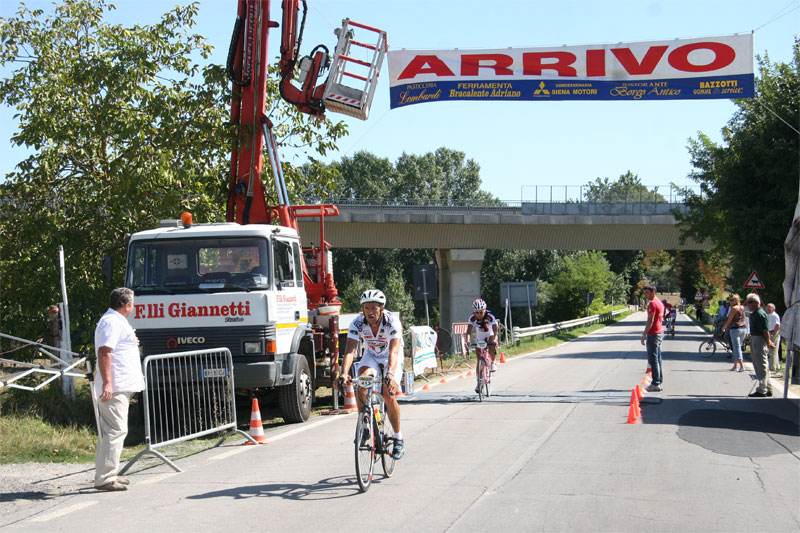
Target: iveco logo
[(178, 341)]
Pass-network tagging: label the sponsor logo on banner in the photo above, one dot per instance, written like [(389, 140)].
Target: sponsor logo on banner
[(713, 67)]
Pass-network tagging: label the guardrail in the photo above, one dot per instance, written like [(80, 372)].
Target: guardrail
[(187, 395), (518, 333)]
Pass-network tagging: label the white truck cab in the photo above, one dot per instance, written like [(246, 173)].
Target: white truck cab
[(235, 286)]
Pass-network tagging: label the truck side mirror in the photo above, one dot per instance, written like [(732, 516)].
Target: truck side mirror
[(107, 269)]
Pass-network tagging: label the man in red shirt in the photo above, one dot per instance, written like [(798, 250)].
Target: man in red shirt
[(653, 335)]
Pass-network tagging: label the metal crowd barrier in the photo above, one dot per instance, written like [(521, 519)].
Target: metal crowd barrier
[(518, 333), (187, 395)]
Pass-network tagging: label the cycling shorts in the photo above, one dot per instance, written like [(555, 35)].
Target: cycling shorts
[(369, 360)]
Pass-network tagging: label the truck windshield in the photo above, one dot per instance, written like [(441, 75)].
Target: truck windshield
[(198, 265)]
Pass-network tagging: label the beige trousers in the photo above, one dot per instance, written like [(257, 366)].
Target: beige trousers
[(113, 419)]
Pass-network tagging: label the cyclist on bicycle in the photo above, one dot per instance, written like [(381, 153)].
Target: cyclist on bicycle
[(486, 327), (669, 315), (382, 336)]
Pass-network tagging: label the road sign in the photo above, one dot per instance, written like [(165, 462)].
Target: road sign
[(706, 304), (706, 295), (698, 296), (754, 281)]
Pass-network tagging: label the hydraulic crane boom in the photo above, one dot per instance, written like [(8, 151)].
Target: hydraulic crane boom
[(252, 130)]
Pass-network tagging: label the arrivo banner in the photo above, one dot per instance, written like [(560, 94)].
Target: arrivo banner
[(710, 67)]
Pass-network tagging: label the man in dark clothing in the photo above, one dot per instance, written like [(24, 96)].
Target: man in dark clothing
[(759, 342)]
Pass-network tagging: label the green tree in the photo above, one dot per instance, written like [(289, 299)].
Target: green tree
[(397, 298), (125, 126), (749, 182), (581, 273), (627, 189)]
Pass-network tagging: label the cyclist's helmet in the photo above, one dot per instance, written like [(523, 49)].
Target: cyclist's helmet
[(373, 295), (479, 305)]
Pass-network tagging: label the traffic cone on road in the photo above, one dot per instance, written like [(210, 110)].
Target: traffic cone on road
[(632, 418), (349, 400), (640, 392), (502, 357), (442, 380), (256, 426), (635, 403)]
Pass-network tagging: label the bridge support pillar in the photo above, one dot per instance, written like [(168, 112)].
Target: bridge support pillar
[(459, 283)]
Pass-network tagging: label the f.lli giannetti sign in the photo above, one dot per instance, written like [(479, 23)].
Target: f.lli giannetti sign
[(712, 67)]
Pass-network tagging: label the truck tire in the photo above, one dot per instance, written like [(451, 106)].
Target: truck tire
[(296, 398)]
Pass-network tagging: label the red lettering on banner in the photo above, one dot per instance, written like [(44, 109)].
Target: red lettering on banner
[(595, 62), (471, 63), (425, 65), (532, 63), (724, 56), (632, 66)]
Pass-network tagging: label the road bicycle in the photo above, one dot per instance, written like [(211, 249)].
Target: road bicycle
[(374, 433), (669, 326), (708, 347), (484, 370)]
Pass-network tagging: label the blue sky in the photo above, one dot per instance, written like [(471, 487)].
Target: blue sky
[(518, 145)]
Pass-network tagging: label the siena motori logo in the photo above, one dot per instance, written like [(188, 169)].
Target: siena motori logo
[(174, 342)]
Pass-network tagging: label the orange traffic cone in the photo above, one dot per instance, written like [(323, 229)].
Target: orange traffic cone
[(632, 418), (640, 392), (461, 376), (635, 403), (256, 426), (469, 373), (502, 357), (426, 387), (442, 380), (349, 400)]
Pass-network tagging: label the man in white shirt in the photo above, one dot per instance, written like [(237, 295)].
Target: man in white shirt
[(774, 333), (118, 377)]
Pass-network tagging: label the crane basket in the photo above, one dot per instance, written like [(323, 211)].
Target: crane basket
[(341, 98)]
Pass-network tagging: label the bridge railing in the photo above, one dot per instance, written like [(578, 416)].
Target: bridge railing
[(546, 200)]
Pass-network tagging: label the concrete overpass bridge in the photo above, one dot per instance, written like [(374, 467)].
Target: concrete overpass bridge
[(461, 234)]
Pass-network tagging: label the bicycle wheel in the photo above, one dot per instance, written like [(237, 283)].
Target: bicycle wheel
[(387, 461), (481, 380), (365, 449), (487, 379), (707, 348)]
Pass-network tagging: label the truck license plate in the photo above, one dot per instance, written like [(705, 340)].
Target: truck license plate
[(215, 372)]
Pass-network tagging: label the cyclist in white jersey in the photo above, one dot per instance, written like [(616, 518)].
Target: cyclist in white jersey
[(485, 325), (382, 337)]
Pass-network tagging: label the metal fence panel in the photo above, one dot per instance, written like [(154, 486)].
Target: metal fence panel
[(187, 395)]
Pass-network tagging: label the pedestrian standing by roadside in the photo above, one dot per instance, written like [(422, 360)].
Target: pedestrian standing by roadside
[(118, 377), (774, 326), (736, 329), (653, 335), (759, 343)]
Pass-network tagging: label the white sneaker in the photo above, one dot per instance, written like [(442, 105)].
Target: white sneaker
[(494, 366)]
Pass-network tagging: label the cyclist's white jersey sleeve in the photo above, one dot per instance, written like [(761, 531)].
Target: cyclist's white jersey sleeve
[(482, 329), (377, 345)]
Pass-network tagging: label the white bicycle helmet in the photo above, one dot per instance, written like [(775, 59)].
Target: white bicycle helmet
[(479, 305), (373, 295)]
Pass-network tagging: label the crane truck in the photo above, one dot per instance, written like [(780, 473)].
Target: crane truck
[(248, 284)]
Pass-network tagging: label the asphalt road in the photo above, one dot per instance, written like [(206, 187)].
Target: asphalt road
[(551, 451)]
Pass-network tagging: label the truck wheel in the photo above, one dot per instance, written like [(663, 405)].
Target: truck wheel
[(296, 398)]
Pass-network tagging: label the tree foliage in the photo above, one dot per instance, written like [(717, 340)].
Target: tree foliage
[(627, 188), (581, 273), (749, 182), (126, 125)]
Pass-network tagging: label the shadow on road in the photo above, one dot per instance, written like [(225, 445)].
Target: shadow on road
[(325, 489), (732, 426)]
